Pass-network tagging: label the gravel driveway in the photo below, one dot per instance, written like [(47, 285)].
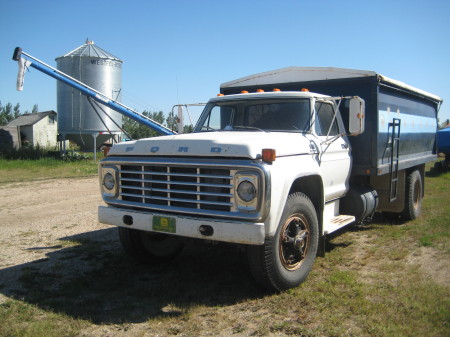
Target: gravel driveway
[(40, 217)]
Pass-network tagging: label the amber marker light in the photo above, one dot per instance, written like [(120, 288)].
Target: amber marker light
[(276, 89), (244, 92), (304, 90), (220, 95), (269, 155), (259, 90)]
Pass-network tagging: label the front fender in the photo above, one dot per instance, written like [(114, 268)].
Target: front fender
[(284, 172)]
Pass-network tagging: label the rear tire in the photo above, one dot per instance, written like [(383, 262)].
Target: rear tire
[(285, 260), (413, 197), (148, 247)]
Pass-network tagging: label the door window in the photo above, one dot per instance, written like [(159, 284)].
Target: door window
[(325, 119)]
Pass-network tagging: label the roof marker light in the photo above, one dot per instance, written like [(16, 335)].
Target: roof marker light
[(276, 89), (304, 90), (220, 95), (259, 90), (244, 92)]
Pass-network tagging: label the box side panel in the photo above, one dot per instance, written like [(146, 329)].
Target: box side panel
[(371, 151), (418, 125)]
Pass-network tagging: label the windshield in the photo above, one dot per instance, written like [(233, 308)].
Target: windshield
[(292, 115)]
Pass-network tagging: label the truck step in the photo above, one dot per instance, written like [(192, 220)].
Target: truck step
[(337, 222)]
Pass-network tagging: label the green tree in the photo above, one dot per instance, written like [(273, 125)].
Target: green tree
[(35, 109), (171, 121), (16, 110), (137, 131), (2, 118), (188, 129), (6, 113), (9, 113)]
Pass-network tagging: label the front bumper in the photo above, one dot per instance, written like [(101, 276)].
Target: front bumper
[(222, 230)]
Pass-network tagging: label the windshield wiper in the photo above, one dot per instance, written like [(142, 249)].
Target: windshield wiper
[(242, 127)]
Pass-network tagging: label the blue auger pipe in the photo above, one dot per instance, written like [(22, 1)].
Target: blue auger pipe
[(90, 92)]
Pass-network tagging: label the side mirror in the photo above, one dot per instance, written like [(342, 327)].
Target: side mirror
[(356, 116)]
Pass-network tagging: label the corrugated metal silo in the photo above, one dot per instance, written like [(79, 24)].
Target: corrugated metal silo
[(77, 120)]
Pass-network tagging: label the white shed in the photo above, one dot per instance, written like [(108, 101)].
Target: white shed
[(31, 130)]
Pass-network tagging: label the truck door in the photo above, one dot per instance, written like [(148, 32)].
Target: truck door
[(334, 151)]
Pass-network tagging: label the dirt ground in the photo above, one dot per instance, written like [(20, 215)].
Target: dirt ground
[(36, 215), (50, 237), (51, 241)]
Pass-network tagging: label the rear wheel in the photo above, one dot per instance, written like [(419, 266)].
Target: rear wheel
[(285, 260), (413, 198), (148, 247)]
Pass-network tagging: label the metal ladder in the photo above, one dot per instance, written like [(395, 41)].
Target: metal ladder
[(395, 152)]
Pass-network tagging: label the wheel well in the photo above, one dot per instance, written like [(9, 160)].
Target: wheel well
[(312, 187)]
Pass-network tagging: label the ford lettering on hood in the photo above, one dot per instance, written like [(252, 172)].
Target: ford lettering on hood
[(217, 144)]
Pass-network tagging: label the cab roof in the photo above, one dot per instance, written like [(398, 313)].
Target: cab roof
[(268, 95)]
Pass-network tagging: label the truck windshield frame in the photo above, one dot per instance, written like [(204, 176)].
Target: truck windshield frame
[(268, 115)]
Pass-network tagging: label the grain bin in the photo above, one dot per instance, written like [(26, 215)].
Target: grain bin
[(78, 121)]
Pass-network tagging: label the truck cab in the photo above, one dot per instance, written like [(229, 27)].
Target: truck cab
[(263, 169)]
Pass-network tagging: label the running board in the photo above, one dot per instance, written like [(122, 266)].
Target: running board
[(337, 222)]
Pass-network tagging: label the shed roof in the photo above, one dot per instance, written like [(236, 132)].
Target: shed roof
[(30, 119)]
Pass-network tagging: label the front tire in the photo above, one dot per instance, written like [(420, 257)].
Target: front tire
[(414, 196), (285, 260), (148, 247)]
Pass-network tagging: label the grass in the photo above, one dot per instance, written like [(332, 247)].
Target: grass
[(28, 320), (12, 171), (373, 281)]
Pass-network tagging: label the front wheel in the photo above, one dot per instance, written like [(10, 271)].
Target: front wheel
[(285, 260), (148, 247)]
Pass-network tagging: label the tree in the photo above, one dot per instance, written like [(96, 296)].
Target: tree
[(16, 110), (137, 131), (172, 124), (9, 113), (6, 114), (35, 109), (188, 129), (2, 118), (171, 121)]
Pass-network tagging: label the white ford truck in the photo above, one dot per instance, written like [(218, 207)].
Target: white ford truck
[(276, 162)]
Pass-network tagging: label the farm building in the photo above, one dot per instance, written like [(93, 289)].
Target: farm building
[(30, 130)]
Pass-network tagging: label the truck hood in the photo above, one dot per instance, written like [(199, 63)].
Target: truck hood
[(216, 144)]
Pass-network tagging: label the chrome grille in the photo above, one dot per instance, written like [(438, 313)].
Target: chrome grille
[(202, 188)]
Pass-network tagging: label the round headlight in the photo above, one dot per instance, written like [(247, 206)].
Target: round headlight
[(108, 181), (246, 191)]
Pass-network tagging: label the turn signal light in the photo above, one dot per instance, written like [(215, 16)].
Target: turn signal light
[(268, 155)]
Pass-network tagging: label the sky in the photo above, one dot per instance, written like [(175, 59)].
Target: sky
[(180, 51)]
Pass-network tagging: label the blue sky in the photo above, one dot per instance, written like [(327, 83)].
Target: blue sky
[(180, 51)]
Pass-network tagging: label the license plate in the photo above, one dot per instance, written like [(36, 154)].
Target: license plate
[(164, 224)]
